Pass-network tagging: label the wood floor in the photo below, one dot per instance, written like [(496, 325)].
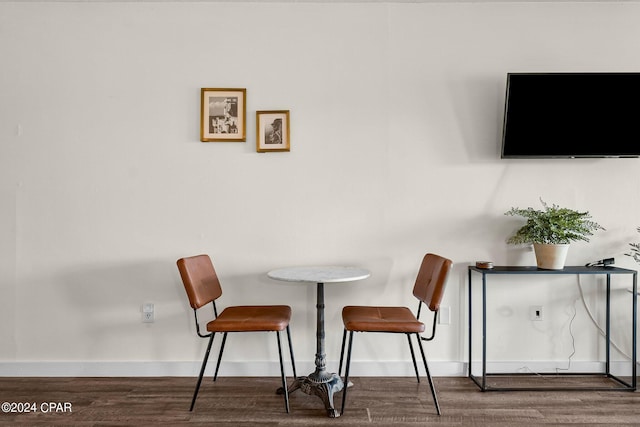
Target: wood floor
[(253, 402)]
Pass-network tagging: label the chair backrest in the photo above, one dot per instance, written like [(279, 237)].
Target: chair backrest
[(431, 280), (200, 280)]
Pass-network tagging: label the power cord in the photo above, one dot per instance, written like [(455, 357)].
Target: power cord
[(595, 322), (573, 338), (573, 346)]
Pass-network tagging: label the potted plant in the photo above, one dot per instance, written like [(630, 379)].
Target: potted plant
[(551, 230)]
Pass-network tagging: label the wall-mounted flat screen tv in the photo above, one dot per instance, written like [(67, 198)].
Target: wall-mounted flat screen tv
[(567, 115)]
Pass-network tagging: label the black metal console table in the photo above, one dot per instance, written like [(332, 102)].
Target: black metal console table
[(576, 270)]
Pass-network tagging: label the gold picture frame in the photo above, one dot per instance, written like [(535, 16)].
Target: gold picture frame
[(272, 131), (223, 115)]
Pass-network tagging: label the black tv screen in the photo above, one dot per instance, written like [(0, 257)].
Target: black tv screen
[(565, 115)]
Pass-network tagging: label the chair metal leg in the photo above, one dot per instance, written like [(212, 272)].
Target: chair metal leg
[(293, 362), (284, 380), (413, 357), (204, 365), (224, 340), (346, 374), (344, 339), (426, 367)]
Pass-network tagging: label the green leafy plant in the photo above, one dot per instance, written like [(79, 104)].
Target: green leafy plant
[(635, 250), (553, 225)]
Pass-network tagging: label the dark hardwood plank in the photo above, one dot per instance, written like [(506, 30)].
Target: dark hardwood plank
[(245, 401)]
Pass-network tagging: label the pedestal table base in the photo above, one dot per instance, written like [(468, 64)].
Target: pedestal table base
[(323, 385)]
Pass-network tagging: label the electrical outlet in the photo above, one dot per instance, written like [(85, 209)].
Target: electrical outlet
[(147, 313), (536, 312)]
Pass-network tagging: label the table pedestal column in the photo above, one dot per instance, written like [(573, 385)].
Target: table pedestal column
[(320, 383)]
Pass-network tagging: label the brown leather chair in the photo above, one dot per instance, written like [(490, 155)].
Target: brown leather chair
[(203, 287), (429, 289)]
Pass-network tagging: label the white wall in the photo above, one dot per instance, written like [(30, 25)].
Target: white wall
[(396, 111)]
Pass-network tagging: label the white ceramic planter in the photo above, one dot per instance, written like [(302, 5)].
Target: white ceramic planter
[(550, 257)]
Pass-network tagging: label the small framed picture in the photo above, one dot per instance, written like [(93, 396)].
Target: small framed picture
[(223, 115), (272, 131)]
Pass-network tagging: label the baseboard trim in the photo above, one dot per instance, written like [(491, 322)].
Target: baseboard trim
[(249, 369)]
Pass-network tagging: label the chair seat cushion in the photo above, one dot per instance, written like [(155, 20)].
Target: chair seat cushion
[(251, 318), (380, 319)]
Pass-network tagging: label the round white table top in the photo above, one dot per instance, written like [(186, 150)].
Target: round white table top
[(327, 274)]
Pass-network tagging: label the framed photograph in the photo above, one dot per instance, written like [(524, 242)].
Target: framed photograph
[(272, 131), (223, 115)]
